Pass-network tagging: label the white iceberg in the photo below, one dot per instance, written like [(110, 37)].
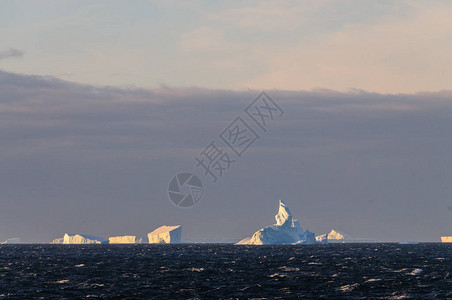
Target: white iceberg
[(333, 235), (286, 231), (83, 239), (126, 239), (336, 236), (12, 241), (57, 241), (165, 235), (446, 239)]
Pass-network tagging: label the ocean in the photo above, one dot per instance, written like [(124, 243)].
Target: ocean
[(224, 271)]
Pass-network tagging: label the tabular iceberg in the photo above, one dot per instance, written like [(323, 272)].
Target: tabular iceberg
[(165, 235), (83, 239), (446, 239), (286, 231), (126, 239)]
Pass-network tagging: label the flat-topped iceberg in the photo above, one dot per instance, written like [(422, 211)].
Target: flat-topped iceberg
[(286, 231), (446, 239), (165, 235), (83, 239), (126, 239)]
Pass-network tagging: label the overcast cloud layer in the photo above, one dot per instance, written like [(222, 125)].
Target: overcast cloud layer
[(97, 160)]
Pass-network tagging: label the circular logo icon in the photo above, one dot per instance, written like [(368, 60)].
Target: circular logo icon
[(185, 189)]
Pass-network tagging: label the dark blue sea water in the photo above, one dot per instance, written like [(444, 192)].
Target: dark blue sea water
[(226, 271)]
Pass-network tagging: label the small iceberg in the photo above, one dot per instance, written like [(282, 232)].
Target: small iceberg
[(12, 241), (336, 236), (57, 241)]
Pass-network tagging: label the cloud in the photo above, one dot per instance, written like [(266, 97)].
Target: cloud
[(382, 46), (73, 157), (404, 54), (386, 47), (11, 52)]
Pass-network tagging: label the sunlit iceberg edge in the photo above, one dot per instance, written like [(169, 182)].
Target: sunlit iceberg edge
[(287, 230)]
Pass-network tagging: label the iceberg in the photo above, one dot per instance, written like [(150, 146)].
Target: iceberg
[(126, 239), (286, 231), (12, 241), (333, 235), (165, 235), (446, 239), (57, 241), (336, 236), (83, 239)]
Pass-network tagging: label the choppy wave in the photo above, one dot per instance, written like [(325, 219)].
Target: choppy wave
[(226, 271)]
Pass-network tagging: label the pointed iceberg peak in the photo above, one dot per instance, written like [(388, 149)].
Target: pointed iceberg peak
[(284, 215), (287, 230)]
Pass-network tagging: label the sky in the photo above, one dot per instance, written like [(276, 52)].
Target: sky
[(103, 102)]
